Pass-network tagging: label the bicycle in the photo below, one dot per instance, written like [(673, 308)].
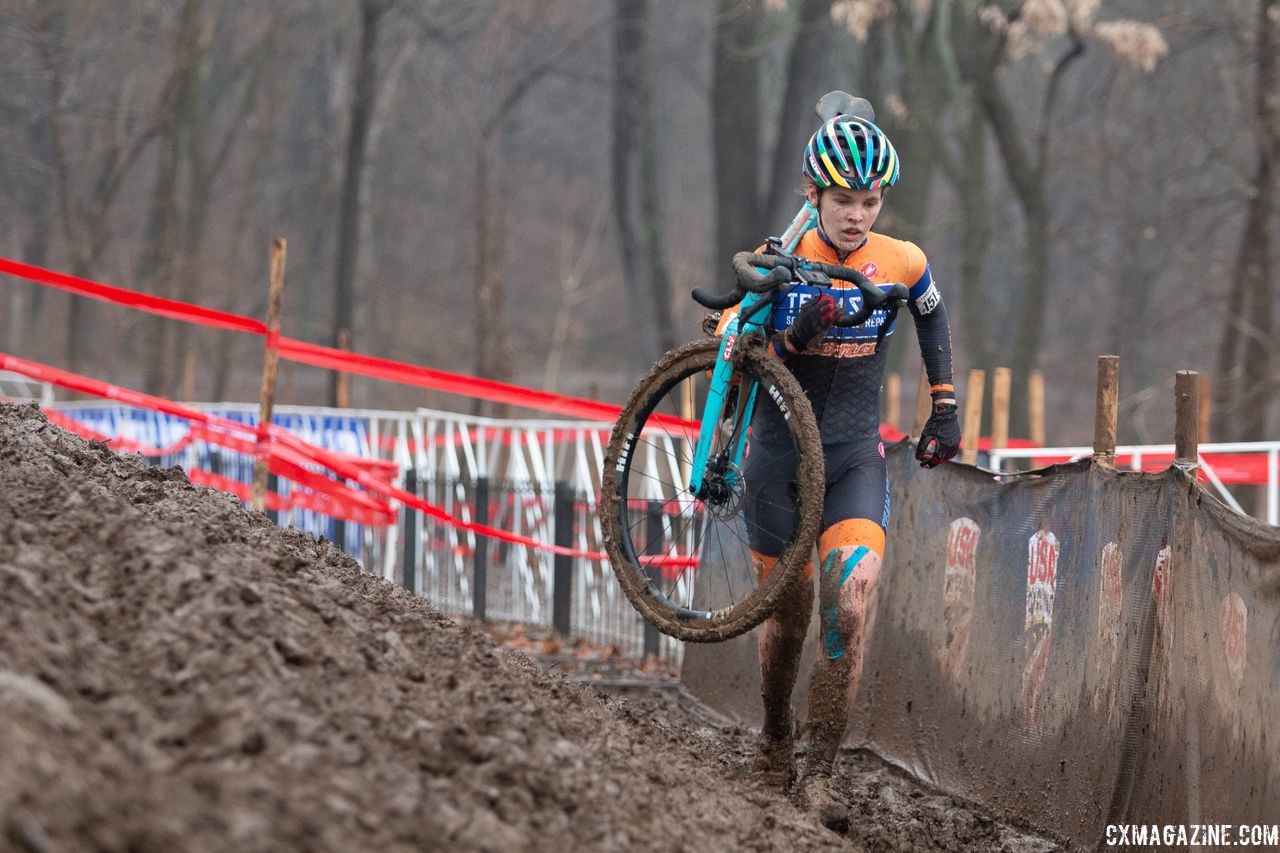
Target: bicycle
[(670, 503)]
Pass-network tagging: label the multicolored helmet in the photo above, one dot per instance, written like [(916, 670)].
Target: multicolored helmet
[(850, 152)]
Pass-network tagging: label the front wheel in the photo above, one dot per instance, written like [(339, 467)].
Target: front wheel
[(686, 561)]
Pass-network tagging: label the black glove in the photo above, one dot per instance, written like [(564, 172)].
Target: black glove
[(940, 438), (815, 319)]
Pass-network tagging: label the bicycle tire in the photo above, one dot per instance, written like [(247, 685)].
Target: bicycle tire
[(777, 387)]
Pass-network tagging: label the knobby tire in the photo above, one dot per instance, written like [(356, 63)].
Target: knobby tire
[(776, 384)]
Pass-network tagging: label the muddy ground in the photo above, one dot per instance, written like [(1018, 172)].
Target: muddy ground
[(176, 673)]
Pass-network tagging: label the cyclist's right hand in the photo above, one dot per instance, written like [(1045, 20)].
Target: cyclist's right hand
[(815, 319)]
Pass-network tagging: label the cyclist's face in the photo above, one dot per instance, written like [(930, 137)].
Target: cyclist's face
[(847, 215)]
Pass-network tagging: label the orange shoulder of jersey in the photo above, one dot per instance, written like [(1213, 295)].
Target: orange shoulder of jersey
[(887, 259)]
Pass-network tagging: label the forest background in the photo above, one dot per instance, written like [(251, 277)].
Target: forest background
[(528, 190)]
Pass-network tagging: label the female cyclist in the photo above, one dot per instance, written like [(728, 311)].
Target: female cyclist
[(848, 164)]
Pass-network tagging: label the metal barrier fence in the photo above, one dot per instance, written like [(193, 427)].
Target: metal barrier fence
[(538, 479), (15, 386), (524, 477)]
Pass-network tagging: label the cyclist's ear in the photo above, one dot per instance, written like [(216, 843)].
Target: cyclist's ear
[(811, 191)]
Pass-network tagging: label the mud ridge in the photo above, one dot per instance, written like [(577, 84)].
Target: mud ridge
[(177, 673)]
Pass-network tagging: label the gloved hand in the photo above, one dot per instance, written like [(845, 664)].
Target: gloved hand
[(940, 438), (811, 325)]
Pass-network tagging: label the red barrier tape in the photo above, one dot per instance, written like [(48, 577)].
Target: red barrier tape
[(351, 506), (330, 357), (279, 438), (296, 500), (171, 308)]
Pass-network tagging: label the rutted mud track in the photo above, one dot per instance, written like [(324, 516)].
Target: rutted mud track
[(178, 674)]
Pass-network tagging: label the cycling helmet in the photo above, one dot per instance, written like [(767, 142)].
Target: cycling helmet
[(850, 152)]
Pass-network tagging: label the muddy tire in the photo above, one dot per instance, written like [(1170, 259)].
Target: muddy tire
[(655, 531)]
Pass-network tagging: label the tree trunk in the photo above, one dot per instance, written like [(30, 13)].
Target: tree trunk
[(927, 86), (735, 130), (493, 350), (975, 235), (1253, 264), (155, 266), (630, 97), (662, 288), (813, 44), (362, 101)]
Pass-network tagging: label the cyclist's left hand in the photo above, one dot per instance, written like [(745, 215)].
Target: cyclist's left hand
[(940, 438)]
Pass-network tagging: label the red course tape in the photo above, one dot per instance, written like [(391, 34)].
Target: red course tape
[(333, 358), (278, 448)]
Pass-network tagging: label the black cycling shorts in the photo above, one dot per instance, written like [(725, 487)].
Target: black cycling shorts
[(857, 487)]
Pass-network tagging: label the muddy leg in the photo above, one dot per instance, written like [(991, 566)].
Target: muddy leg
[(850, 567), (845, 584), (780, 643), (781, 640)]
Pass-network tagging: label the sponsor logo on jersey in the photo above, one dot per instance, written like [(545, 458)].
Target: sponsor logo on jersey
[(929, 300), (869, 269), (846, 350)]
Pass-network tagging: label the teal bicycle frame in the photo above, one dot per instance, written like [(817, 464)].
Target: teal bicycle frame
[(751, 318)]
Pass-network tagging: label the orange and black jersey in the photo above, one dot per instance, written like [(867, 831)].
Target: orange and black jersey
[(842, 373)]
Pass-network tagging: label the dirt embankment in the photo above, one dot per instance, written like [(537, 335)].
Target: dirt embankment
[(176, 673)]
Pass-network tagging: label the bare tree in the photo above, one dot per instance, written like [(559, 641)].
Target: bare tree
[(736, 118), (515, 65), (812, 49), (363, 97), (635, 161), (1246, 378), (91, 159)]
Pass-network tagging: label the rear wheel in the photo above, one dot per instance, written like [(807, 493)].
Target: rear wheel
[(685, 561)]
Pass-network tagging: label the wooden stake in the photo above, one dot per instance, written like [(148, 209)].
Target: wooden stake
[(972, 416), (1001, 385), (1206, 406), (1035, 400), (189, 376), (924, 403), (1186, 441), (687, 399), (1104, 415), (893, 401), (344, 379), (266, 400)]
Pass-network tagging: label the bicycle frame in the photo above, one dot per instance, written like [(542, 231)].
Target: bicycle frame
[(751, 318)]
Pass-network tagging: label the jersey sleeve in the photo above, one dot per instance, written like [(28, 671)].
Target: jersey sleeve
[(932, 329)]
